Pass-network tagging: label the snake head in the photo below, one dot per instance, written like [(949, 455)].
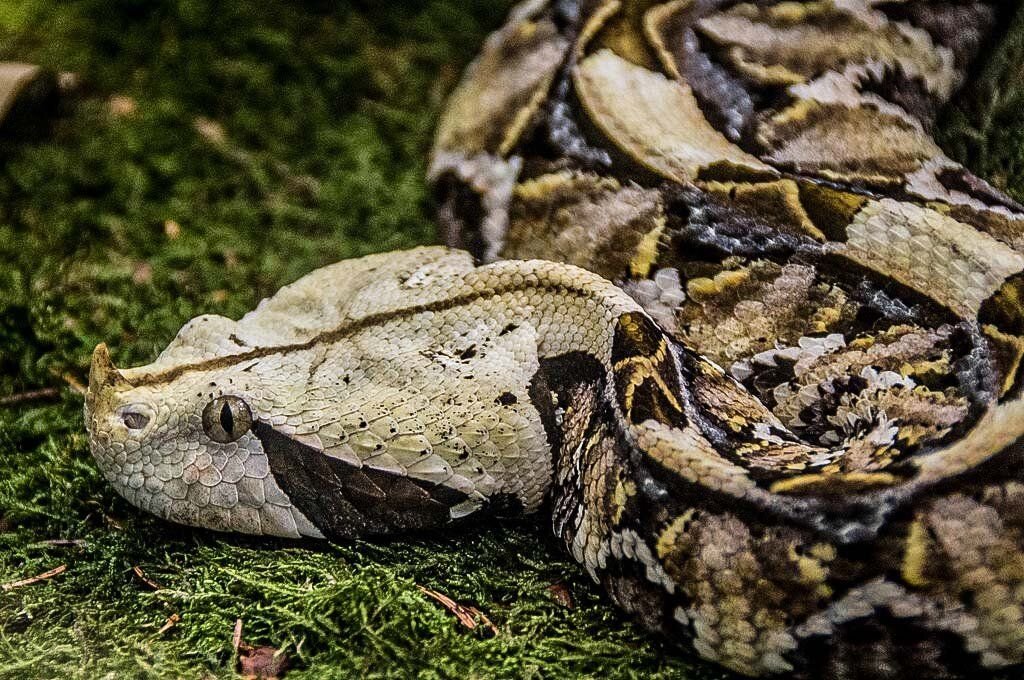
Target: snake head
[(181, 447)]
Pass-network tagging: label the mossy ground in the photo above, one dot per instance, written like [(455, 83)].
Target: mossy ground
[(206, 158)]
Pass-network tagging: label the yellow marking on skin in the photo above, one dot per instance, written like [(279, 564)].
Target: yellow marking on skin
[(774, 74), (737, 422), (777, 201), (670, 536), (825, 319), (813, 570), (630, 389), (862, 344), (540, 188), (701, 288), (597, 20), (635, 333), (624, 490), (635, 371), (653, 20), (825, 552), (647, 250), (1014, 345), (731, 278), (709, 368), (829, 209), (915, 555), (841, 482)]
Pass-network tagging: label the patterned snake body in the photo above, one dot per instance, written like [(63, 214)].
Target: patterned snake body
[(789, 435)]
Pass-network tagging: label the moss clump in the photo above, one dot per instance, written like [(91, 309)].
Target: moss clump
[(207, 158), (984, 128)]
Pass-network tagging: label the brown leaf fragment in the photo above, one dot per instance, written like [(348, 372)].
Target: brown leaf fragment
[(257, 662), (56, 571), (121, 106), (142, 273), (561, 594), (484, 620), (468, 616), (172, 229), (263, 663), (146, 579), (171, 622)]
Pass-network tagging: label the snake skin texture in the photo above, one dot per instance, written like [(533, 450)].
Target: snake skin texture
[(722, 310)]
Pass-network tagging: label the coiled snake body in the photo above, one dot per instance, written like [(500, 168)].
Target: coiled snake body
[(789, 435)]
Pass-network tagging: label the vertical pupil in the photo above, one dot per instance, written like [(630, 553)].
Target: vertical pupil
[(227, 419)]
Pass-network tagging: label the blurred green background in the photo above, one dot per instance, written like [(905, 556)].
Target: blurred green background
[(204, 158)]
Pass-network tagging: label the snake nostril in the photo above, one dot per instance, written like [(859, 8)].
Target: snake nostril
[(134, 421)]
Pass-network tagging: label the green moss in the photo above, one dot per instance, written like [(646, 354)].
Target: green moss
[(984, 128), (279, 138)]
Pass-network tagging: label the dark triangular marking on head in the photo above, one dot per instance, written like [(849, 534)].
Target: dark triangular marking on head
[(558, 384), (344, 501)]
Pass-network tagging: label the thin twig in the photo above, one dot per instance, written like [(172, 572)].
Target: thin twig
[(60, 543), (146, 579), (35, 579), (467, 615), (171, 622), (30, 395)]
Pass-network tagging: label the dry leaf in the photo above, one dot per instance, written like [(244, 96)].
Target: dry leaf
[(121, 106), (142, 274), (262, 663), (561, 594), (258, 662)]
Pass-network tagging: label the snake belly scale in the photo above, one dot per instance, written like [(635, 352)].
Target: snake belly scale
[(763, 378)]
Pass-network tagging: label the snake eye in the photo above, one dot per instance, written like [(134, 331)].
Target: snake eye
[(225, 419), (134, 421)]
